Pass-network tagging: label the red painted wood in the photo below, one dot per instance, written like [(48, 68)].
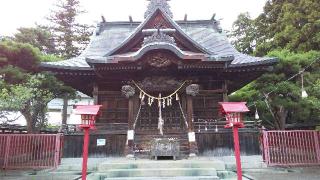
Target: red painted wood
[(85, 153), (29, 151), (283, 148), (237, 151)]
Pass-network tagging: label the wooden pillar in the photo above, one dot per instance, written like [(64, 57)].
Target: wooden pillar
[(190, 113), (95, 94), (191, 134), (129, 92), (130, 133), (225, 91)]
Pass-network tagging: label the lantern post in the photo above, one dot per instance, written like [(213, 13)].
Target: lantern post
[(88, 117), (233, 111)]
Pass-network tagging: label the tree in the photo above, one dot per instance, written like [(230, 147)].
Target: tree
[(244, 34), (23, 88), (292, 25), (70, 36), (39, 37), (278, 99), (284, 24)]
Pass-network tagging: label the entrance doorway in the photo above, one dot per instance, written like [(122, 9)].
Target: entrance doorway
[(172, 115)]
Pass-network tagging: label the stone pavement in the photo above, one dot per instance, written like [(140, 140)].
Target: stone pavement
[(294, 173)]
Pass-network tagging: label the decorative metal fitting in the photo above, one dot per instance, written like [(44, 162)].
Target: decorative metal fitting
[(193, 89), (128, 90), (159, 36), (158, 4)]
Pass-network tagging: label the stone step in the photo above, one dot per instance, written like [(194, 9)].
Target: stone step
[(145, 164), (168, 178), (158, 172)]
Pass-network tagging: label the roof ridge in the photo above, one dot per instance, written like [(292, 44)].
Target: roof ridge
[(158, 4)]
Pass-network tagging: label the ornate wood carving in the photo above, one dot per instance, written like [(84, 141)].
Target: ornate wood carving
[(159, 22), (161, 4), (159, 36), (159, 60), (160, 83)]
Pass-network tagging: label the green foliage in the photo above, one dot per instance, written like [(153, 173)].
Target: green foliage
[(244, 33), (19, 55), (22, 88), (31, 98), (284, 24), (38, 37), (50, 58), (290, 30), (284, 103), (70, 36)]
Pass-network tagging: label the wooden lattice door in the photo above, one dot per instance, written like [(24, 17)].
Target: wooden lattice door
[(172, 115)]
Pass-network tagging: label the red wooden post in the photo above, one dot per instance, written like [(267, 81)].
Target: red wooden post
[(7, 151), (57, 150), (237, 151), (88, 118), (85, 153), (317, 146), (233, 114)]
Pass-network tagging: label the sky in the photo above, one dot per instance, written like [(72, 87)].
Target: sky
[(26, 13)]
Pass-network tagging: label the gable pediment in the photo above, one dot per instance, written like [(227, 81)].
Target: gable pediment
[(160, 25)]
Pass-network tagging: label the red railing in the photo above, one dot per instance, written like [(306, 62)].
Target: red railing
[(30, 151), (291, 148)]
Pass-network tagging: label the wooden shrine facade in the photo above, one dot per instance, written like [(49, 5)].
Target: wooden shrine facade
[(158, 78)]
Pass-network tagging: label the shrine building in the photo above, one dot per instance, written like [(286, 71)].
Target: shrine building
[(158, 79)]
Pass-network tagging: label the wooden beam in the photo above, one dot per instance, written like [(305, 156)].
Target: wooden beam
[(212, 92)]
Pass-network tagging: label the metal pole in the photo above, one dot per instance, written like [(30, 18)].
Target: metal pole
[(85, 153), (237, 151)]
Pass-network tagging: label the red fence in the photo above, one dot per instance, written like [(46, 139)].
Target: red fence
[(30, 150), (291, 148)]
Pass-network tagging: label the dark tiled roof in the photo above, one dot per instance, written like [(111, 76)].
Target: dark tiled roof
[(109, 35)]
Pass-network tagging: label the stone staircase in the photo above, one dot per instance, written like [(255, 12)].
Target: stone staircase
[(158, 170), (143, 142)]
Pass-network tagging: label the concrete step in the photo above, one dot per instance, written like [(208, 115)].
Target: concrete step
[(145, 164), (168, 178), (156, 172)]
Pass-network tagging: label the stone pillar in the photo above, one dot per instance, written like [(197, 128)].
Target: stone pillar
[(191, 90), (129, 92)]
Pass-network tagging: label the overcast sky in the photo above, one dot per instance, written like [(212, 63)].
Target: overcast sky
[(25, 13)]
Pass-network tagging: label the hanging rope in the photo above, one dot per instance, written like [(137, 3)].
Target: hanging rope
[(160, 120), (162, 103), (159, 98), (184, 117), (137, 116)]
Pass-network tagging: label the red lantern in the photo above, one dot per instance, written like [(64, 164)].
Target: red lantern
[(233, 112), (88, 118), (88, 115)]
